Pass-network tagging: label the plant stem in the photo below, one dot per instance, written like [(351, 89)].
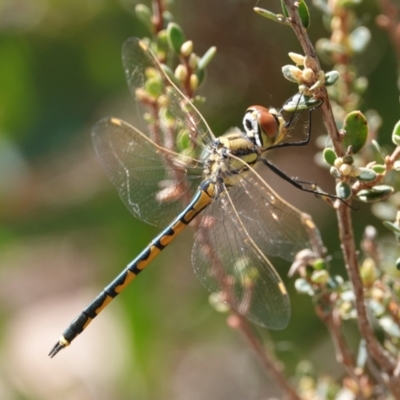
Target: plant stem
[(271, 366), (346, 234)]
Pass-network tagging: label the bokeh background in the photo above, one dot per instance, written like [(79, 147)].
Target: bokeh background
[(65, 234)]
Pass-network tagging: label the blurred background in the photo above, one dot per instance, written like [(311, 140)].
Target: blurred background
[(65, 234)]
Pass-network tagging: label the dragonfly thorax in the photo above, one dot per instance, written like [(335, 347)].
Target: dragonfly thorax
[(230, 156)]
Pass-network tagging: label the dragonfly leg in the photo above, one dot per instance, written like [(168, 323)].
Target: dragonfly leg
[(296, 182)]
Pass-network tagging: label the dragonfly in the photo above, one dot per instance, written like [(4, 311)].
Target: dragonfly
[(173, 168)]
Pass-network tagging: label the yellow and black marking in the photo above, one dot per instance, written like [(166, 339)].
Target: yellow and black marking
[(203, 197)]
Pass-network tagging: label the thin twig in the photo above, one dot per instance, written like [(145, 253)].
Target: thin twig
[(274, 369), (389, 20), (157, 19), (309, 50), (346, 235), (389, 164)]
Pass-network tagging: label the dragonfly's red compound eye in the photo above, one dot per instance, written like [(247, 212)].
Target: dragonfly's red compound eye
[(267, 124)]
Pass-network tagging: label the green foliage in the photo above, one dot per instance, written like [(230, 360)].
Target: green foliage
[(396, 134), (329, 156), (268, 14), (175, 36), (144, 15), (355, 131), (61, 69), (343, 190), (364, 170), (304, 14)]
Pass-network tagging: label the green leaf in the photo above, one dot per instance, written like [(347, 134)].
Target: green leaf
[(302, 9), (320, 277), (143, 14), (396, 134), (176, 37), (162, 45), (284, 9), (154, 87), (348, 3), (218, 304), (392, 226), (331, 77), (287, 73), (201, 74), (319, 264), (304, 14), (329, 156), (168, 71), (335, 172), (389, 326), (270, 15), (376, 193), (356, 131), (302, 286), (379, 168), (183, 140), (366, 175), (207, 57), (337, 281), (343, 190), (378, 148), (396, 165)]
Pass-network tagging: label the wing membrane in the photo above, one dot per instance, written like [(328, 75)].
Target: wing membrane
[(228, 265), (176, 113), (277, 228), (240, 228), (153, 183)]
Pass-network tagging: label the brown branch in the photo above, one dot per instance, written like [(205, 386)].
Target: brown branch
[(274, 369), (390, 160), (309, 50), (389, 20), (239, 322), (343, 354), (331, 317), (389, 164), (346, 233), (157, 18)]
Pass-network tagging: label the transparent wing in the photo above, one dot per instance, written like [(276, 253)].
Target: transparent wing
[(277, 228), (164, 110), (298, 125), (296, 113), (232, 268), (242, 226), (153, 183)]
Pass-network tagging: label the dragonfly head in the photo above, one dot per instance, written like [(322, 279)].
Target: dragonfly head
[(261, 125)]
